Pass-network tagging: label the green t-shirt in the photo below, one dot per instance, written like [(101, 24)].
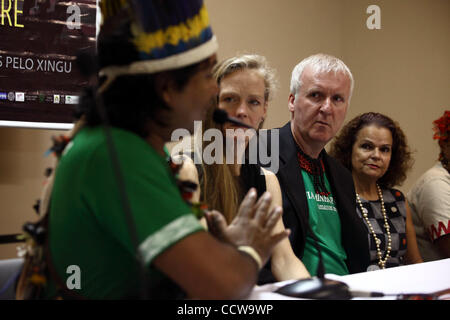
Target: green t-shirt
[(326, 225), (87, 223)]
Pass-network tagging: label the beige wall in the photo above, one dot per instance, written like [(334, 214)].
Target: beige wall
[(284, 31), (402, 70), (22, 167)]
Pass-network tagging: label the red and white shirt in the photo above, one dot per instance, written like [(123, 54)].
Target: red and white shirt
[(429, 200)]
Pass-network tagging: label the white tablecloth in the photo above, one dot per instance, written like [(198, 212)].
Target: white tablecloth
[(425, 277)]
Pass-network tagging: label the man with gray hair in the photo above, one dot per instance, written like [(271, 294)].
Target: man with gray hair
[(319, 201)]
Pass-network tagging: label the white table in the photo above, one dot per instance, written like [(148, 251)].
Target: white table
[(425, 277)]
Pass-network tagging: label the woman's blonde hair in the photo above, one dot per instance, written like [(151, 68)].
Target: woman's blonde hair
[(221, 189), (252, 62)]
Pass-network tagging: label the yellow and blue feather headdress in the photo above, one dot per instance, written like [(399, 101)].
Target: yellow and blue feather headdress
[(167, 34)]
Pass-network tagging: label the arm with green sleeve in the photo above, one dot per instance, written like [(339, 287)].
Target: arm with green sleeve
[(170, 237)]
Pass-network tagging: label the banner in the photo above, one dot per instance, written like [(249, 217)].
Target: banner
[(39, 40)]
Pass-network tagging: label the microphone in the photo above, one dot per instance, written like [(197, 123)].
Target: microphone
[(317, 288), (221, 116), (366, 294), (397, 296)]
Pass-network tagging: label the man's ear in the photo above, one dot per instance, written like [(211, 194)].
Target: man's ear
[(165, 88), (291, 101)]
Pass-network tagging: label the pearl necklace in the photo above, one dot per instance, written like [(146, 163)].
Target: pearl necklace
[(381, 261)]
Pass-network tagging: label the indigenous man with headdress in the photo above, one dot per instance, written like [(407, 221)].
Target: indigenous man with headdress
[(429, 199), (116, 212)]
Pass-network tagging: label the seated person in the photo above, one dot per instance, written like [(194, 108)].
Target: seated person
[(246, 84), (319, 202), (430, 199), (115, 207), (374, 148)]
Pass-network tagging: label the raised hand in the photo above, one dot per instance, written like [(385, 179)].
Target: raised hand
[(252, 226)]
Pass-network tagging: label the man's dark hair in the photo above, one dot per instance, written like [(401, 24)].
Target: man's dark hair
[(131, 100)]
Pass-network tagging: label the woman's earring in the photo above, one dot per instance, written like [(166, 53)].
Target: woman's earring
[(261, 123)]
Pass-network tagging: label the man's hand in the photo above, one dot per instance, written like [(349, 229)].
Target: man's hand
[(252, 226)]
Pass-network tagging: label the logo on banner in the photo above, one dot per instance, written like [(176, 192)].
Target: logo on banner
[(72, 99), (46, 70), (32, 98), (20, 96)]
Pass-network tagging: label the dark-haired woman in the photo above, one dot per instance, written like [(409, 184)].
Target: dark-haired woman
[(374, 148)]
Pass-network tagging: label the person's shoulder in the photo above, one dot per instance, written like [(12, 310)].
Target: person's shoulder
[(278, 130), (283, 130), (283, 127), (96, 137), (336, 165), (270, 177), (268, 173), (82, 145), (132, 151), (437, 172), (272, 185), (277, 141), (129, 140), (397, 194), (433, 177)]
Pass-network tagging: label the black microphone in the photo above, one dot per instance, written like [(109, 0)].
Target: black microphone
[(317, 288), (221, 116), (367, 294), (397, 296)]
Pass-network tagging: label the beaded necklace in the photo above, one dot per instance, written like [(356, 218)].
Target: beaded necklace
[(381, 261), (315, 168)]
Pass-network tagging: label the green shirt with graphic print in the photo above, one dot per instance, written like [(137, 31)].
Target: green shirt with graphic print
[(326, 225)]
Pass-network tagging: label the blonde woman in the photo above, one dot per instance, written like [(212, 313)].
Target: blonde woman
[(246, 84)]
